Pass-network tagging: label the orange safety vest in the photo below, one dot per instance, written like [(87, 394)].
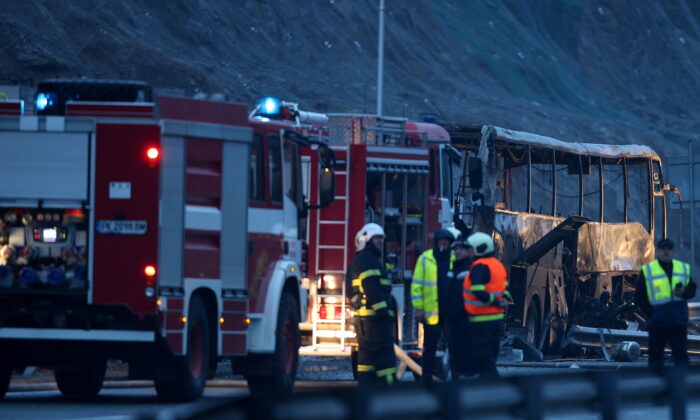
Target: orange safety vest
[(497, 285)]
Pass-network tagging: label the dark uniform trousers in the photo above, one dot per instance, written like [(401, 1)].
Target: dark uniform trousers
[(486, 339), (455, 329), (431, 336), (677, 338), (376, 361), (370, 297)]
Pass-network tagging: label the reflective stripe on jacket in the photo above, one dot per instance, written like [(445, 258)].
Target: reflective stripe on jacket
[(659, 288), (367, 286), (359, 288), (424, 286), (496, 287)]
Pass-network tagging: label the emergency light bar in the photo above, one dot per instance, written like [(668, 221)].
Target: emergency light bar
[(53, 94)]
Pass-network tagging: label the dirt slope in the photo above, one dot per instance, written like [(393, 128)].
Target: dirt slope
[(602, 70)]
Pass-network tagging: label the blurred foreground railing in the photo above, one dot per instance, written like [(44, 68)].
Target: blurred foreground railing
[(527, 397)]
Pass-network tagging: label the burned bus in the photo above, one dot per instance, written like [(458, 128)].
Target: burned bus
[(572, 222)]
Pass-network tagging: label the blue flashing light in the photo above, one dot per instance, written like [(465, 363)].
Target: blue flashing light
[(28, 276), (56, 277), (270, 106), (44, 100)]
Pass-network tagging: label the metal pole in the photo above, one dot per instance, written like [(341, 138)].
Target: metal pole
[(580, 186), (380, 59), (404, 210), (554, 183), (627, 188), (606, 382), (691, 169), (601, 185), (529, 179), (678, 397)]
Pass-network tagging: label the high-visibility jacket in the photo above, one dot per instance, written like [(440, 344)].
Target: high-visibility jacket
[(659, 288), (424, 286), (369, 289), (496, 287)]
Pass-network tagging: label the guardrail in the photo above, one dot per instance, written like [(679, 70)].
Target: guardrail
[(694, 311), (526, 397), (597, 337)]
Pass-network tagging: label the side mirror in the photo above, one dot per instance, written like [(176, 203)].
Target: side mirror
[(326, 188), (326, 156), (476, 178)]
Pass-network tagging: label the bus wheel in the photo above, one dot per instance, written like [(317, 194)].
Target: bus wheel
[(81, 381), (285, 359), (532, 325), (185, 377), (5, 376)]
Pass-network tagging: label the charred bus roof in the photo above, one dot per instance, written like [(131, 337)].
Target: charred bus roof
[(468, 137)]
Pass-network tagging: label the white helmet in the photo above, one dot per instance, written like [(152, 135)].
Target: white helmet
[(481, 242), (367, 232), (454, 231)]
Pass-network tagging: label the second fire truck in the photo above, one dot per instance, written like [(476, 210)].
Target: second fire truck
[(390, 171)]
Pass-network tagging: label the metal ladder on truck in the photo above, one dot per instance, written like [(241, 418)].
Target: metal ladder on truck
[(318, 333)]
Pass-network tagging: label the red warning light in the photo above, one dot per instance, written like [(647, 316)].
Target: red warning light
[(153, 153), (150, 270)]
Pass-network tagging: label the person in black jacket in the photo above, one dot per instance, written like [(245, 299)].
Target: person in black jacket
[(665, 285), (370, 297), (458, 334)]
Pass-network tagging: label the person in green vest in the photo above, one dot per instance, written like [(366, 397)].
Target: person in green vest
[(665, 285), (429, 296)]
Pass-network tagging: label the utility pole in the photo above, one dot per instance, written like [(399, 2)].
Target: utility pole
[(691, 171), (380, 60)]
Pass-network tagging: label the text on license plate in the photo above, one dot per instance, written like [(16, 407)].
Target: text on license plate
[(122, 227)]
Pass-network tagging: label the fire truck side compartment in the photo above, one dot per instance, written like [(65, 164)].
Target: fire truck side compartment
[(45, 166)]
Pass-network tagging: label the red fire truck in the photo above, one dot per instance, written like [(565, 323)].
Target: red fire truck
[(164, 233), (391, 171)]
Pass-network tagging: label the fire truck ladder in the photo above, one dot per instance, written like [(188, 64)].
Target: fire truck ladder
[(318, 333)]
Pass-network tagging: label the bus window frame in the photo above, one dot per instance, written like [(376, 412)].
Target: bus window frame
[(503, 167)]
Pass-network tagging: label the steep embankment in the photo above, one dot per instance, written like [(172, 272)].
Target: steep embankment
[(602, 71)]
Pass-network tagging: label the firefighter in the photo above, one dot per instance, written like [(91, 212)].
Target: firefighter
[(429, 295), (370, 298), (665, 285), (485, 299), (459, 336)]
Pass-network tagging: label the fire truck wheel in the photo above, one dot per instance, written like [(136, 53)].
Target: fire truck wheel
[(82, 381), (5, 376), (188, 375), (286, 357)]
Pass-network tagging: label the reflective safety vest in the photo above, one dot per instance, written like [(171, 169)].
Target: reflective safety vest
[(496, 287), (659, 288), (424, 286), (358, 289)]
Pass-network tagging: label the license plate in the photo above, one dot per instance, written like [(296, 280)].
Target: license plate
[(122, 227)]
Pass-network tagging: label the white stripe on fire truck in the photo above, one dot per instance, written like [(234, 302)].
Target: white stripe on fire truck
[(266, 221), (202, 218)]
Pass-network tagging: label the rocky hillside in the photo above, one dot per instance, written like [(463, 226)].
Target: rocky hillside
[(600, 70)]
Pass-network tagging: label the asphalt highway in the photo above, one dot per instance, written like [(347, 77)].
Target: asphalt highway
[(110, 404)]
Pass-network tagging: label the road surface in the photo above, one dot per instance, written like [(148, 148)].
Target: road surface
[(111, 404)]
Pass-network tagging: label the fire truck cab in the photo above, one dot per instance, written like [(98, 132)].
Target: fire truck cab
[(165, 233)]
